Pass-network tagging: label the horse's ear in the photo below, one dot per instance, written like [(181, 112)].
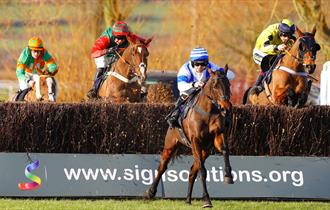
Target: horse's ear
[(314, 30), (147, 41), (300, 34), (130, 39), (225, 70)]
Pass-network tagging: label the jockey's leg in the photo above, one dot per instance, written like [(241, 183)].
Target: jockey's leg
[(172, 119), (36, 79), (257, 88), (50, 85), (101, 64), (23, 87), (93, 93)]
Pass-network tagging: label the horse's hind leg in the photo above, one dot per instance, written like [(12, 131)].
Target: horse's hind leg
[(221, 145), (170, 148), (198, 154), (193, 174)]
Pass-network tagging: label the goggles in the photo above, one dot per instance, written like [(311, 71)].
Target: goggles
[(285, 34), (200, 63), (120, 37)]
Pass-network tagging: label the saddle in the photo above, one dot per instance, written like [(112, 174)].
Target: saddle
[(269, 71), (185, 107)]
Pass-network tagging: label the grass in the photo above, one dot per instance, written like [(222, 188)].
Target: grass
[(158, 204)]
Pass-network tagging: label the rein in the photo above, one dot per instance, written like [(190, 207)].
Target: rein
[(213, 101), (130, 64), (300, 53)]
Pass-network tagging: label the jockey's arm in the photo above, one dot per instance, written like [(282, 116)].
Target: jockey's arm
[(20, 71), (269, 49), (50, 63), (100, 47), (267, 40), (184, 80)]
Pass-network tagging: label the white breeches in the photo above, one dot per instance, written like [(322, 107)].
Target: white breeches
[(101, 62), (258, 56)]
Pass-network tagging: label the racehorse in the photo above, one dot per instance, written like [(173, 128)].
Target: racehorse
[(125, 80), (204, 126), (39, 91), (290, 83)]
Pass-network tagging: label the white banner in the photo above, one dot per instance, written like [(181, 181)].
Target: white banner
[(128, 175)]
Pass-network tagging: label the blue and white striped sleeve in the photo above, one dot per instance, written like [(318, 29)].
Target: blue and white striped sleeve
[(184, 79)]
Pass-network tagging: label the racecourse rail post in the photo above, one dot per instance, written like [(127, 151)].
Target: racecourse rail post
[(325, 84)]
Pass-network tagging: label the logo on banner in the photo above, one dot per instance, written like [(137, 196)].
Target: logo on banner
[(36, 181)]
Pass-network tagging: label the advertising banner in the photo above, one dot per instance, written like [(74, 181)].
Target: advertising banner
[(128, 175)]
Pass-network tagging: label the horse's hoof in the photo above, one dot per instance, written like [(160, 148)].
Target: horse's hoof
[(188, 202), (228, 180), (207, 205), (149, 194)]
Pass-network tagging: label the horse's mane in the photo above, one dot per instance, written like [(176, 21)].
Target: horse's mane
[(224, 82)]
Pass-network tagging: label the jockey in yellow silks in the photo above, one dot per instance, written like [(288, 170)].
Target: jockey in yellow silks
[(273, 40), (31, 64)]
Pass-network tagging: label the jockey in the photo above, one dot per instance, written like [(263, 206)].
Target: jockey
[(30, 66), (272, 41), (104, 51), (191, 76)]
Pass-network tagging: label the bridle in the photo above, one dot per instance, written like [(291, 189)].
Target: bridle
[(310, 45), (132, 66)]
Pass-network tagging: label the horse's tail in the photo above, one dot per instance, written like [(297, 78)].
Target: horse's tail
[(246, 95)]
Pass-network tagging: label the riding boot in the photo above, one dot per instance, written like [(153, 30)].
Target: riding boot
[(93, 93), (21, 94), (172, 119), (258, 87)]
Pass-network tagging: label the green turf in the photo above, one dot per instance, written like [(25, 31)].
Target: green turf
[(158, 204)]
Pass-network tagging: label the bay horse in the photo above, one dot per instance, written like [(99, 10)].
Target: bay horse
[(39, 91), (125, 80), (290, 83), (204, 126)]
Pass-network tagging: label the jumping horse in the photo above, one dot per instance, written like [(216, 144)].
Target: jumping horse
[(204, 126), (43, 85), (290, 80), (125, 81)]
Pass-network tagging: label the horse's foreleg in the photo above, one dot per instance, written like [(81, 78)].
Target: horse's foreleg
[(303, 95), (51, 89), (192, 176), (36, 79), (198, 160), (166, 156), (221, 145)]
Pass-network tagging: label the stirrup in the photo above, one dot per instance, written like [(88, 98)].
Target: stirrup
[(256, 89), (172, 123), (91, 94)]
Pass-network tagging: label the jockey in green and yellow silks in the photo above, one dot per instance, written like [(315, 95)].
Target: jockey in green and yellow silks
[(272, 41), (31, 64)]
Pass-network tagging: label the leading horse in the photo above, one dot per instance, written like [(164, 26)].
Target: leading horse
[(204, 126), (290, 83), (125, 80)]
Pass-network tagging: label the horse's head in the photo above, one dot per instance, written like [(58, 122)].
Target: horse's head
[(307, 49), (218, 87), (139, 59)]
